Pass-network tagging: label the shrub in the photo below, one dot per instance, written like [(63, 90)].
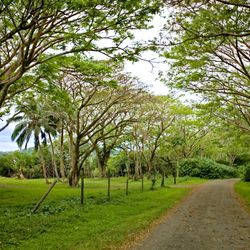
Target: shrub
[(206, 168), (247, 173), (6, 169)]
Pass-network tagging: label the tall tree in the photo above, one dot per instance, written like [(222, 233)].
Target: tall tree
[(155, 122), (32, 123), (188, 132), (97, 97), (110, 135)]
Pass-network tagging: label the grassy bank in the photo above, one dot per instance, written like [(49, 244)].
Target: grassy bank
[(243, 189), (62, 223)]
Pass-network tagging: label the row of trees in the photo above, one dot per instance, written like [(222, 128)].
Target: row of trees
[(209, 56), (81, 107), (48, 75), (109, 121)]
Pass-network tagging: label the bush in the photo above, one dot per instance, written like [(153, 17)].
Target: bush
[(12, 163), (206, 168), (247, 173), (6, 169)]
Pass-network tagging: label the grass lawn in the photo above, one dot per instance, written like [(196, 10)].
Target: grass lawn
[(62, 223), (243, 189)]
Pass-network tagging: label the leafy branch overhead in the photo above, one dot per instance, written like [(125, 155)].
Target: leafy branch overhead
[(33, 32), (210, 51)]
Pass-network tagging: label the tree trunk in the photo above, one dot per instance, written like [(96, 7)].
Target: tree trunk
[(163, 179), (102, 169), (100, 166), (20, 174), (73, 178), (137, 166), (150, 168), (53, 157), (62, 166), (102, 163), (43, 165), (74, 159)]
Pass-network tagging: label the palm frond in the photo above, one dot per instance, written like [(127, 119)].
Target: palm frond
[(18, 130), (22, 137), (28, 135), (17, 118)]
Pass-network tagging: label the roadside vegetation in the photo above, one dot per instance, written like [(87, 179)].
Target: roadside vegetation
[(243, 189), (206, 168)]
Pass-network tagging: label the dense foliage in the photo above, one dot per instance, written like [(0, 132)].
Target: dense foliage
[(46, 29), (206, 168), (247, 173), (20, 165), (210, 54)]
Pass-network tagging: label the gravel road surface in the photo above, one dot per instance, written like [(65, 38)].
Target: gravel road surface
[(211, 218)]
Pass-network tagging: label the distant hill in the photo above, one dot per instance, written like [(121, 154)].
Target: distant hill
[(30, 150)]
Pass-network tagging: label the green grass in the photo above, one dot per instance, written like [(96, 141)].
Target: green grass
[(243, 189), (62, 223)]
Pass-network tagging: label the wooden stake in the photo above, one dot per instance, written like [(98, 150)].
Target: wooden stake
[(44, 197)]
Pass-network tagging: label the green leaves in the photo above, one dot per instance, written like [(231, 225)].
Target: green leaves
[(33, 33), (209, 54)]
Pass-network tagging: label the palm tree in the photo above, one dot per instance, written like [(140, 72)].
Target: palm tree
[(33, 123), (50, 128)]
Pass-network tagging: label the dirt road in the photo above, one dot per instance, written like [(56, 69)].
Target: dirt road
[(210, 219)]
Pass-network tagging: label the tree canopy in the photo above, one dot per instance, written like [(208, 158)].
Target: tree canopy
[(33, 32), (210, 51)]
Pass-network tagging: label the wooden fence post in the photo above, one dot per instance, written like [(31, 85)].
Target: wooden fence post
[(44, 197)]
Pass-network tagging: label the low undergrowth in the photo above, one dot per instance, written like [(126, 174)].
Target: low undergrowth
[(243, 189)]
